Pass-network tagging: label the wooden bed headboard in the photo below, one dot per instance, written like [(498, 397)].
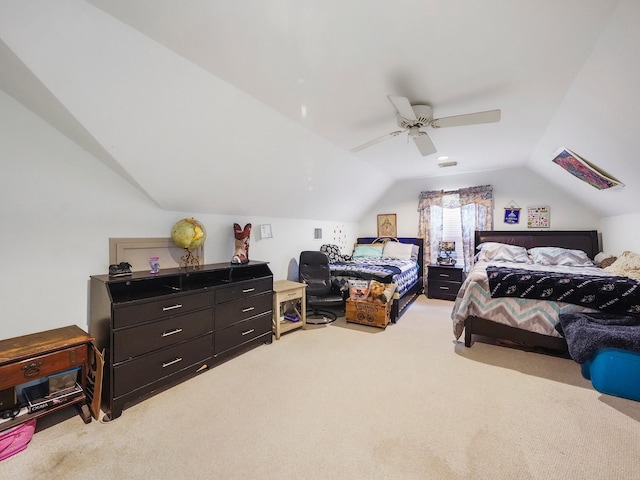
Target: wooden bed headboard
[(585, 240), (409, 240)]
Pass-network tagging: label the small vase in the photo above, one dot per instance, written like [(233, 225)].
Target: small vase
[(155, 266)]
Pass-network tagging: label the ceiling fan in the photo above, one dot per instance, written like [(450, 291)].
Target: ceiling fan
[(411, 118)]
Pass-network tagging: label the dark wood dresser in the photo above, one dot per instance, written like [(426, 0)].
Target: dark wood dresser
[(444, 282), (159, 329)]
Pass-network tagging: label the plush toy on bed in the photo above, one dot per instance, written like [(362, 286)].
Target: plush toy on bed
[(241, 254)]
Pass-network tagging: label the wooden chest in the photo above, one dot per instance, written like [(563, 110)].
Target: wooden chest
[(367, 313)]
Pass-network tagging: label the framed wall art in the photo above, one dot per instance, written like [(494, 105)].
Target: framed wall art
[(584, 170), (387, 225), (538, 217)]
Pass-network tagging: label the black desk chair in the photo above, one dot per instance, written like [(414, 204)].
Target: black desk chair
[(314, 271)]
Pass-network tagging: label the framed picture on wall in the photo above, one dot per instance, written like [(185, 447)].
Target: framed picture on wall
[(538, 217), (387, 226)]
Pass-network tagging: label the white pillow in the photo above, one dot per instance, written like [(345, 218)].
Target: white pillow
[(502, 252), (397, 251), (560, 256)]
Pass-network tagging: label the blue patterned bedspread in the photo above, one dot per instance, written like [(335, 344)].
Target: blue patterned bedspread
[(403, 273)]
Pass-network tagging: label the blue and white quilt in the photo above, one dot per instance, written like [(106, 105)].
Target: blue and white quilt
[(404, 273)]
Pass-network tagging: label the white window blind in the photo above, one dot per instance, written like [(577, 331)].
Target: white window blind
[(452, 231)]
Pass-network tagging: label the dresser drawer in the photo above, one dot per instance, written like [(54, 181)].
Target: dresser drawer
[(150, 368), (135, 341), (42, 366), (243, 309), (132, 314), (244, 289), (242, 332)]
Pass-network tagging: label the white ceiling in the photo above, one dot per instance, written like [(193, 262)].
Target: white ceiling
[(234, 78)]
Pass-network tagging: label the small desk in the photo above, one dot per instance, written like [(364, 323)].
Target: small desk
[(39, 355), (288, 294)]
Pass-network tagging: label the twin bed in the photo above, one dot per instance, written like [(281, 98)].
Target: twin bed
[(406, 272)]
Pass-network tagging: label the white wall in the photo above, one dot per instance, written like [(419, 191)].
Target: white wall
[(59, 207), (519, 185), (621, 233)]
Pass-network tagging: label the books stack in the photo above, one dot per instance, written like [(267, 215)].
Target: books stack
[(39, 398)]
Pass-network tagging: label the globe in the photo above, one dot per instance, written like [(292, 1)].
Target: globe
[(188, 233)]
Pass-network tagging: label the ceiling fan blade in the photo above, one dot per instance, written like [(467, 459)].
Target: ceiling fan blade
[(403, 107), (376, 140), (424, 144), (489, 116)]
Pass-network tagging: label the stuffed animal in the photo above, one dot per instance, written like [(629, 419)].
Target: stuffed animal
[(241, 254), (376, 293)]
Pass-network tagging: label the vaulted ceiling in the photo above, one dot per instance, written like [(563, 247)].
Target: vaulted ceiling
[(246, 107)]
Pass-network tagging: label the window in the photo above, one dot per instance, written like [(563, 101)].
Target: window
[(452, 231), (467, 210)]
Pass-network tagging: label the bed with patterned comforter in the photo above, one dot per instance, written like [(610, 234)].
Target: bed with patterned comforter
[(405, 274), (402, 273), (539, 316)]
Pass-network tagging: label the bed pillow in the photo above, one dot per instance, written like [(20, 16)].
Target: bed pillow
[(502, 252), (626, 265), (560, 256), (367, 251), (397, 251), (415, 252), (334, 254), (380, 293)]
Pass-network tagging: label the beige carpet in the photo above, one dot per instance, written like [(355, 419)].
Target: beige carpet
[(346, 401)]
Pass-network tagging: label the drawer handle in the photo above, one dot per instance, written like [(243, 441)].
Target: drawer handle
[(248, 290), (172, 362), (32, 369), (245, 310), (248, 332), (445, 275), (172, 307), (172, 332), (444, 288)]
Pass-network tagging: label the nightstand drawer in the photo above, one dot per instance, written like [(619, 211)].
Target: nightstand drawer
[(440, 289), (445, 273)]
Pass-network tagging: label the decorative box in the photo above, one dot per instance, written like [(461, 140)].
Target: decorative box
[(366, 313)]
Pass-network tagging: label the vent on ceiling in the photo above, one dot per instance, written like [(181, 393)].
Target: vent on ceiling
[(447, 164)]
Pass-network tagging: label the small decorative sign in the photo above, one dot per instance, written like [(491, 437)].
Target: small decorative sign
[(538, 217), (512, 213)]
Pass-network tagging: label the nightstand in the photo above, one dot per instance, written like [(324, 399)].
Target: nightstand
[(444, 281), (288, 296)]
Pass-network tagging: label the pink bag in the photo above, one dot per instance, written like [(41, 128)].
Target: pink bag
[(16, 439)]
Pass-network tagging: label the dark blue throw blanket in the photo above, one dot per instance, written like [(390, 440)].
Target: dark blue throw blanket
[(612, 294), (586, 333)]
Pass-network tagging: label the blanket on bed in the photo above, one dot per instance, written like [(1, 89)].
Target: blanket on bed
[(586, 333), (606, 293)]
